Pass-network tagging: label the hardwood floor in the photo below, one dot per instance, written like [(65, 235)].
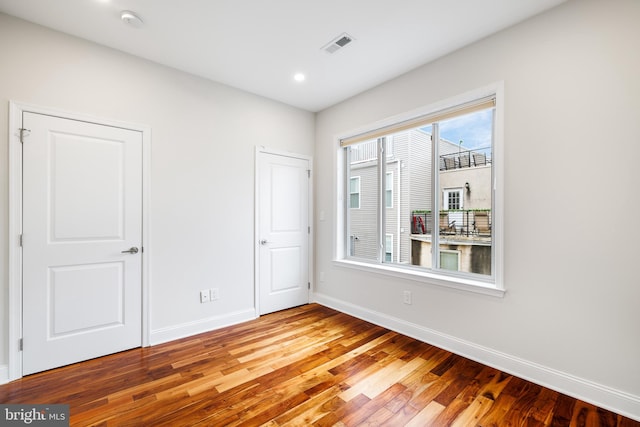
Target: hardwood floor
[(305, 366)]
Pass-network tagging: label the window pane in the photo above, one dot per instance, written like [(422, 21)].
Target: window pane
[(363, 194), (407, 184), (355, 184), (354, 192), (415, 196), (465, 176), (449, 260), (400, 217), (388, 248)]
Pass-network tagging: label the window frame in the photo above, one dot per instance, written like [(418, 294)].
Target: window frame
[(491, 285)]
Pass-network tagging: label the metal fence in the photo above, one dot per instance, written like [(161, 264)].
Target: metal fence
[(465, 159), (453, 222)]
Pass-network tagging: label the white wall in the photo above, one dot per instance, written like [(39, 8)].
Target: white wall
[(570, 317), (202, 178)]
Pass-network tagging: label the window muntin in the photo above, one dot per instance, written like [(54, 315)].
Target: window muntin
[(443, 199)]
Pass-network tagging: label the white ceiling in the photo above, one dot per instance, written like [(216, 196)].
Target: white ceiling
[(258, 45)]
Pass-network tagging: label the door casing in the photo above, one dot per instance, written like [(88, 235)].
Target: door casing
[(259, 150), (16, 110)]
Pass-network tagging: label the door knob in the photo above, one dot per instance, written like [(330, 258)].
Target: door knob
[(263, 241), (132, 250)]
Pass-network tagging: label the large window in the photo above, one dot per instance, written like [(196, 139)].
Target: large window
[(441, 222)]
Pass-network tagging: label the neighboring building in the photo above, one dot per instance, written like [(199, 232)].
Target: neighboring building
[(465, 203)]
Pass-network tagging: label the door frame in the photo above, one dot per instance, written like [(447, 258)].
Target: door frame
[(261, 149), (16, 110)]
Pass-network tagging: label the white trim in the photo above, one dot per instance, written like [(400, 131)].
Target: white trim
[(171, 333), (4, 374), (146, 235), (16, 109), (423, 276), (605, 397), (256, 220), (15, 252)]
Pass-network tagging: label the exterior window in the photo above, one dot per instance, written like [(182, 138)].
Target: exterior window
[(449, 260), (388, 191), (431, 205), (354, 192), (452, 199), (388, 248)]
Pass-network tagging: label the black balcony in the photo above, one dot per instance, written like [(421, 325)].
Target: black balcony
[(465, 159), (462, 223)]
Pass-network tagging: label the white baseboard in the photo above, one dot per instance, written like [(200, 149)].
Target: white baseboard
[(4, 374), (605, 397), (162, 335)]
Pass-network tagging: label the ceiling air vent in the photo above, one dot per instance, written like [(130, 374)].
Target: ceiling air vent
[(338, 43)]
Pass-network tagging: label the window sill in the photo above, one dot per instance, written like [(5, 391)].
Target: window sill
[(427, 278)]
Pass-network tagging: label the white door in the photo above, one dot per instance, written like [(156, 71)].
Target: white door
[(283, 231), (82, 208)]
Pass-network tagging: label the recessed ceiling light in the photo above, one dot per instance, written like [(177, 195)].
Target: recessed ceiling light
[(299, 77), (131, 19)]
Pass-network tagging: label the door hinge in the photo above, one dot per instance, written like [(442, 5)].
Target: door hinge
[(308, 285), (20, 241), (308, 173), (309, 229), (22, 134), (21, 344)]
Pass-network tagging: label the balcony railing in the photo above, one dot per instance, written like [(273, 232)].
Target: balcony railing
[(468, 223), (368, 151), (465, 159)]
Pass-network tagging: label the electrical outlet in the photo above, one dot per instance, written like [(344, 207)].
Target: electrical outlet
[(204, 296), (406, 297), (214, 294)]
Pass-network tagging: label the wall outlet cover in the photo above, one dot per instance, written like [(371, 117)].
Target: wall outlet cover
[(204, 296)]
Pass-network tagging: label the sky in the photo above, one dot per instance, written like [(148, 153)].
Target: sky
[(473, 129)]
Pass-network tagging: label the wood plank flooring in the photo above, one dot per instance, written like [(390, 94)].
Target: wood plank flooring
[(307, 366)]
